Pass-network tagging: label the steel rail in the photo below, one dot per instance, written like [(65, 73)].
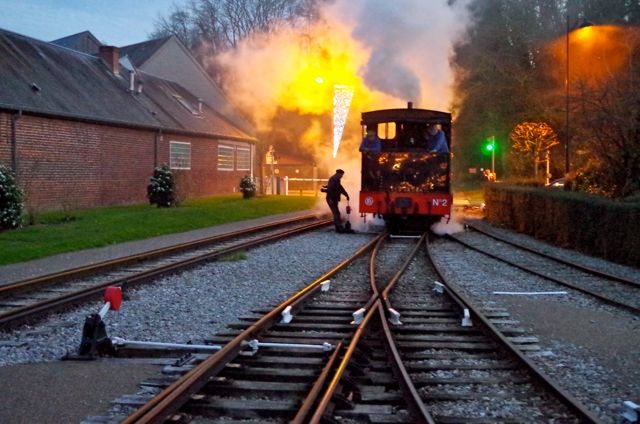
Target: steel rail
[(171, 399), (150, 254), (414, 401), (570, 401), (588, 269), (557, 280), (316, 390), (324, 402), (392, 283), (377, 304), (416, 405), (28, 312)]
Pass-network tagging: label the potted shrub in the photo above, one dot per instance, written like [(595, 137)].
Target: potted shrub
[(247, 187), (10, 200), (161, 188)]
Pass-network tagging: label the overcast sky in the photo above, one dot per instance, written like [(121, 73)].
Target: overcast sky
[(113, 22)]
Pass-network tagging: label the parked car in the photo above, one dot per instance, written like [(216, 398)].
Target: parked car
[(556, 184)]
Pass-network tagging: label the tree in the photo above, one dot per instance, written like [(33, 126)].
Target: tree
[(533, 140), (502, 75), (609, 125), (211, 27), (497, 77)]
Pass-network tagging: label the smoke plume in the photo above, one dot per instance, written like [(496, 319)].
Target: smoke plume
[(389, 52)]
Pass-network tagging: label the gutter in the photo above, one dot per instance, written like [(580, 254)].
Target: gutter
[(123, 124), (14, 140)]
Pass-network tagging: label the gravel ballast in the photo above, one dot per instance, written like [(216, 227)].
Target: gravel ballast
[(176, 309), (593, 350)]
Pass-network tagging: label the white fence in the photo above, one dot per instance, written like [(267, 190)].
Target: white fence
[(303, 186)]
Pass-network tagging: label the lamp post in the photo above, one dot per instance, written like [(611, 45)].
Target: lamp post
[(566, 90), (492, 146)]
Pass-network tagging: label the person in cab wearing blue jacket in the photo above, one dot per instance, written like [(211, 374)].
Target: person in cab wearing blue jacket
[(371, 142), (436, 140)]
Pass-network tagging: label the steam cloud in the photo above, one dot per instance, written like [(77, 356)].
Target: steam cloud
[(410, 43), (390, 52)]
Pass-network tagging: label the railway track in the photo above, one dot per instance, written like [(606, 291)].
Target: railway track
[(399, 349), (613, 289), (27, 300)]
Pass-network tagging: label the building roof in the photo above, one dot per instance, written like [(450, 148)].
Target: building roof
[(185, 110), (44, 78), (139, 53), (169, 58), (83, 41)]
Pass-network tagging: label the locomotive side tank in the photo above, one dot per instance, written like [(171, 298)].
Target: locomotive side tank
[(408, 182)]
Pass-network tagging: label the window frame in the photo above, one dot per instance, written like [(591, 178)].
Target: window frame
[(175, 159), (243, 154), (230, 164)]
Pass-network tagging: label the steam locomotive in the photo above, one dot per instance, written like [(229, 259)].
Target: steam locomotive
[(406, 183)]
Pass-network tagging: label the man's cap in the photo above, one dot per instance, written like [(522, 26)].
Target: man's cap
[(339, 171)]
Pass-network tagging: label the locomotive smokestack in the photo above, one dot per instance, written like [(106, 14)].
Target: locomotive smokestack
[(410, 105)]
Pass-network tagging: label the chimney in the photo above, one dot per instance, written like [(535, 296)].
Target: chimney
[(111, 55)]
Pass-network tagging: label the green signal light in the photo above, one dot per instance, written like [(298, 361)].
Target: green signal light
[(489, 145)]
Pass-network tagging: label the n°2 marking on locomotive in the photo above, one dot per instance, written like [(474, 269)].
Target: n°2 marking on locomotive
[(439, 202)]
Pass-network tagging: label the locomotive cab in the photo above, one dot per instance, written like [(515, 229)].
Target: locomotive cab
[(408, 182)]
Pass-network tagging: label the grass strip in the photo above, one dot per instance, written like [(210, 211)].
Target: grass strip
[(60, 232)]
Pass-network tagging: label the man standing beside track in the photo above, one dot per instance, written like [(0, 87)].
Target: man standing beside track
[(334, 191)]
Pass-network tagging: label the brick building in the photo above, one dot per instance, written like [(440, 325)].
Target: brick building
[(84, 129)]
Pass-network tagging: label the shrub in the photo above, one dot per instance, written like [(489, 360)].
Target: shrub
[(161, 188), (247, 187), (10, 200)]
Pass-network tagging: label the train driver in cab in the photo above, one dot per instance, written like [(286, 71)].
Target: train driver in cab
[(436, 140), (371, 142)]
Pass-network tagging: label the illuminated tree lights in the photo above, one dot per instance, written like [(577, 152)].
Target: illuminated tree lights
[(342, 95)]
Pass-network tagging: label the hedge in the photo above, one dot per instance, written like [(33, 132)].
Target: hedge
[(592, 225)]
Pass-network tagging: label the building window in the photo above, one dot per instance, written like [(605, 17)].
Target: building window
[(225, 158), (243, 159), (179, 155), (187, 105)]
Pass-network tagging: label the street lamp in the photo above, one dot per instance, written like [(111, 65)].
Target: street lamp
[(583, 24)]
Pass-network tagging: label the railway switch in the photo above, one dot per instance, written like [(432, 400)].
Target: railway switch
[(394, 317), (358, 316), (631, 411), (94, 333), (466, 319), (286, 315)]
